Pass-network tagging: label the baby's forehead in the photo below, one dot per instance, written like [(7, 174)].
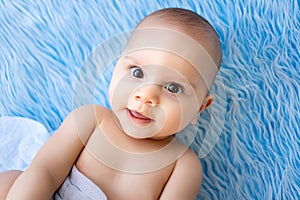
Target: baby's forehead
[(177, 43)]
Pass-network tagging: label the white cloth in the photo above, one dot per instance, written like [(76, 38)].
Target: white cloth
[(78, 187), (20, 138)]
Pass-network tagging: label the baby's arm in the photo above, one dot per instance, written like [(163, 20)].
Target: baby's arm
[(55, 159), (185, 180)]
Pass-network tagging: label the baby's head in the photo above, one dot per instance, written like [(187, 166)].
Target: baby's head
[(161, 81), (189, 23)]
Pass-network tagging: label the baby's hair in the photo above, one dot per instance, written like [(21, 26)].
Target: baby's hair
[(192, 23)]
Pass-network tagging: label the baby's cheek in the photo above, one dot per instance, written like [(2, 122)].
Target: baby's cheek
[(189, 109), (120, 89), (173, 112)]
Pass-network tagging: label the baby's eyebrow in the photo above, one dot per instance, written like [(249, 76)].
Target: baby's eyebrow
[(133, 59), (191, 84)]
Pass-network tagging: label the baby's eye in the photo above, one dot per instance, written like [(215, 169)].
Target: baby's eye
[(174, 88), (137, 72)]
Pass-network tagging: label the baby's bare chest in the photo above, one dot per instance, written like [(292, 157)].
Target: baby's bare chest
[(121, 184)]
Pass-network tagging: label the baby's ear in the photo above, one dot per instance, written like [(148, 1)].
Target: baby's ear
[(209, 99)]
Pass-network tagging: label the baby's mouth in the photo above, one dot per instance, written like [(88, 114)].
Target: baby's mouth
[(138, 117)]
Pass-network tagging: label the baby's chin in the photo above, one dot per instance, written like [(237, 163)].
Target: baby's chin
[(139, 133), (147, 133)]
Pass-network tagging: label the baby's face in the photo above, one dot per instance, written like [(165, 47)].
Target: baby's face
[(155, 93), (160, 82)]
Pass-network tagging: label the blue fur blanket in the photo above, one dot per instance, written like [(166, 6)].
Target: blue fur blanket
[(251, 134)]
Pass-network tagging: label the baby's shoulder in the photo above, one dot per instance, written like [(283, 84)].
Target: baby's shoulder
[(186, 177), (86, 118), (91, 107), (92, 111), (189, 160)]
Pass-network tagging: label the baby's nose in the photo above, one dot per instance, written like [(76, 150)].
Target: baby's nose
[(148, 94)]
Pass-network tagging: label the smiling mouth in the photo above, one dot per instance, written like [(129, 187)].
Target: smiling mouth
[(138, 117)]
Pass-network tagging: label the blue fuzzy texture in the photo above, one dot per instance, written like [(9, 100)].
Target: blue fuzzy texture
[(44, 45)]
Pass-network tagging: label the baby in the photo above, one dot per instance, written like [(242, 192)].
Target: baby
[(159, 86)]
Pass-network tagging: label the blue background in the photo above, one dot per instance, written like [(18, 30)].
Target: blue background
[(45, 43)]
